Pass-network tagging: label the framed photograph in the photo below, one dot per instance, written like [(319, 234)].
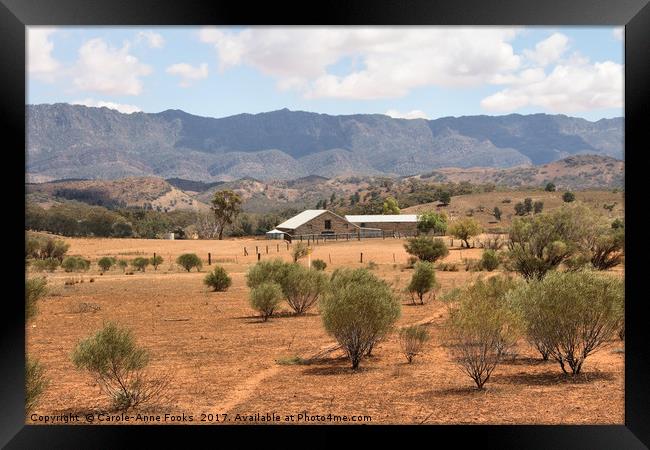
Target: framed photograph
[(411, 214)]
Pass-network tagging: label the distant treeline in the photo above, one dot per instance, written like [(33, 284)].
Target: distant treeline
[(76, 219)]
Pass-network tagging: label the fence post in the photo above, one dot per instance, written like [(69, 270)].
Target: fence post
[(267, 249), (393, 257), (155, 266), (256, 249), (361, 258), (278, 248), (259, 255), (245, 252), (329, 255), (209, 259), (287, 245)]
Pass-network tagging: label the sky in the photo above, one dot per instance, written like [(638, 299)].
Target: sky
[(404, 72)]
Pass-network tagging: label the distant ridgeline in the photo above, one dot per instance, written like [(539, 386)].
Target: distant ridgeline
[(66, 141)]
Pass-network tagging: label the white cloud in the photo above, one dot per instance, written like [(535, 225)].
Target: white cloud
[(619, 33), (102, 68), (123, 108), (393, 61), (40, 62), (549, 50), (153, 40), (414, 114), (188, 73), (573, 86)]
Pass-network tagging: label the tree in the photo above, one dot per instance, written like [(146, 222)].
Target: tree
[(218, 279), (528, 205), (464, 229), (123, 264), (358, 310), (497, 213), (426, 248), (538, 206), (188, 261), (206, 226), (542, 242), (226, 205), (390, 206), (444, 197), (105, 263), (299, 250), (432, 221), (75, 264), (411, 340), (568, 197), (302, 287), (422, 281), (155, 261), (570, 315), (35, 290), (116, 363), (265, 298), (550, 187), (140, 263), (520, 209), (481, 327)]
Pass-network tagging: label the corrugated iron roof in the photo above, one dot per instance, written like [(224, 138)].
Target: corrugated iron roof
[(301, 219), (276, 231), (373, 218)]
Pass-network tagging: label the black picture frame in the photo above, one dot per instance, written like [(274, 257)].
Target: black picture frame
[(15, 15)]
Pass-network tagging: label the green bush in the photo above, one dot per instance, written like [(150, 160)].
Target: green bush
[(448, 267), (106, 263), (411, 340), (481, 327), (570, 315), (432, 221), (422, 281), (218, 279), (75, 264), (45, 265), (568, 197), (302, 287), (299, 250), (35, 383), (550, 187), (489, 260), (123, 264), (426, 248), (188, 261), (155, 261), (319, 264), (265, 298), (140, 263), (273, 271), (35, 289), (117, 364), (44, 247), (359, 309), (464, 229)]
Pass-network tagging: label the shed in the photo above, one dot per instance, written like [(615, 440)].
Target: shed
[(275, 234)]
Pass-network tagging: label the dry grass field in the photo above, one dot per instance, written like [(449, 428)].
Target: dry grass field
[(223, 360)]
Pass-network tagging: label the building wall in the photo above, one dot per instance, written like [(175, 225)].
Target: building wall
[(317, 225), (394, 227)]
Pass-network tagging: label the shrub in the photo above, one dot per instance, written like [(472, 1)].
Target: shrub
[(35, 289), (218, 279), (319, 264), (481, 327), (140, 263), (299, 250), (448, 267), (568, 197), (528, 204), (426, 248), (422, 281), (411, 261), (45, 265), (123, 264), (359, 309), (489, 260), (550, 187), (105, 263), (44, 247), (35, 383), (412, 340), (117, 364), (606, 248), (492, 242), (155, 261), (188, 261), (75, 264), (569, 315), (497, 213), (618, 224), (302, 287), (274, 271), (432, 221), (520, 209), (464, 229), (265, 298), (538, 206)]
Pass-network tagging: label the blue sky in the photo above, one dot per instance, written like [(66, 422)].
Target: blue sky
[(400, 71)]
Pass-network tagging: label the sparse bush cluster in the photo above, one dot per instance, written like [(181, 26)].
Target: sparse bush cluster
[(218, 279), (426, 248), (75, 264), (189, 261)]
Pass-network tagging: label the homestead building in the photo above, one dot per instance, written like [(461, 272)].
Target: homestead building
[(323, 223)]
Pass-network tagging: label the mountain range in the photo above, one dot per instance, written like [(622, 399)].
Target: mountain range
[(74, 141)]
